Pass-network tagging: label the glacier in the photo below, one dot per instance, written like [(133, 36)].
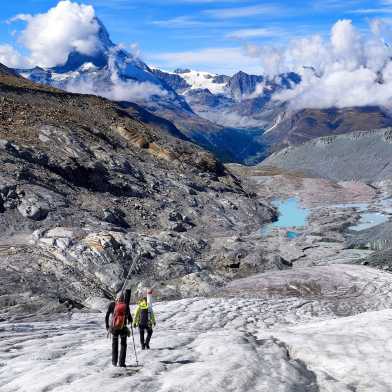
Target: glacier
[(269, 332)]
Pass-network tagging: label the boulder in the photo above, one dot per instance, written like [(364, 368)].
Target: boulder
[(33, 209)]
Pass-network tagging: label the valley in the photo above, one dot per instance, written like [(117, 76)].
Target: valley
[(254, 207), (282, 311)]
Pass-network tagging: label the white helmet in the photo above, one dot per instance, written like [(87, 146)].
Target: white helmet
[(120, 296)]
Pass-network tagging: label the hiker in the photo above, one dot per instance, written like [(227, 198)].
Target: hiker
[(121, 315), (144, 319)]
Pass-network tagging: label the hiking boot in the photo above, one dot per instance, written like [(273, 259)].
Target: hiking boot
[(122, 365), (147, 346)]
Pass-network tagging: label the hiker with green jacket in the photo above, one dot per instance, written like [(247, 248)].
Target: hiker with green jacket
[(144, 319)]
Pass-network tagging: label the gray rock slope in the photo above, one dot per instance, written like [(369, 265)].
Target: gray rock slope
[(86, 190), (363, 156)]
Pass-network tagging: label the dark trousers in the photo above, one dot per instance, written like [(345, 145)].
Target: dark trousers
[(123, 352), (149, 334)]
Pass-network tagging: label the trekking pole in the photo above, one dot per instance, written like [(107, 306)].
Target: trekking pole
[(134, 346), (133, 265)]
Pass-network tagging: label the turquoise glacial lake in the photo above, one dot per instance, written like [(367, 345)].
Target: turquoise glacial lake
[(291, 215), (369, 219)]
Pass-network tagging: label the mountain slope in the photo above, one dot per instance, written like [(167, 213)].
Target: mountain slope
[(86, 189), (307, 124), (362, 156)]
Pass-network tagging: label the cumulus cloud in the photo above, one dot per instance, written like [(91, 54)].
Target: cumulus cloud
[(51, 36), (10, 57), (348, 69)]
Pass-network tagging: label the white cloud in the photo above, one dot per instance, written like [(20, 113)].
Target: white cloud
[(240, 12), (51, 36), (230, 119), (118, 91), (340, 89), (10, 57), (180, 22), (380, 7), (216, 60), (255, 33), (19, 17), (349, 69), (379, 11), (334, 5)]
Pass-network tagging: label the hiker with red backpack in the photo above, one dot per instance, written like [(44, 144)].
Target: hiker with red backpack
[(121, 316)]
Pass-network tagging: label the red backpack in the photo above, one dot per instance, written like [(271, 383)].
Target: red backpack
[(119, 316)]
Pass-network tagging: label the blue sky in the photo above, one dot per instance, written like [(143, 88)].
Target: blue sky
[(206, 34)]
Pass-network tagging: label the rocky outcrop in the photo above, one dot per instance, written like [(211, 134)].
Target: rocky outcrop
[(175, 81)]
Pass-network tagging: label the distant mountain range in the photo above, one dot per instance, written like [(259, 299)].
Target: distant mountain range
[(235, 117), (241, 100)]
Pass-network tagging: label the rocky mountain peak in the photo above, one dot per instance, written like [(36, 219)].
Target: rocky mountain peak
[(241, 84)]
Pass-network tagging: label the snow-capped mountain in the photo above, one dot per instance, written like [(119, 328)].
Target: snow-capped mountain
[(241, 100), (185, 80), (112, 72)]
